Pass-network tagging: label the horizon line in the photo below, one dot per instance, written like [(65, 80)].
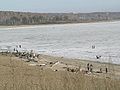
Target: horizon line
[(58, 12)]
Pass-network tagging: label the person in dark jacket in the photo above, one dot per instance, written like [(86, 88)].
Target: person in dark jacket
[(88, 66)]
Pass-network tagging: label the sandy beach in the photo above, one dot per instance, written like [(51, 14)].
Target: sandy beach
[(61, 63), (45, 72), (78, 65)]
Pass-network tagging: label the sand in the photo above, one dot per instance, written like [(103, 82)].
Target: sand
[(62, 64)]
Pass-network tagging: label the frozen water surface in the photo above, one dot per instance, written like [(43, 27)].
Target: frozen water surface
[(70, 40)]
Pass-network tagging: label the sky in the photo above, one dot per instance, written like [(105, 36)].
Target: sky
[(45, 6)]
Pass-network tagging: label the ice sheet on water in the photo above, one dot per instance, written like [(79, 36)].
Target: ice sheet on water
[(71, 40)]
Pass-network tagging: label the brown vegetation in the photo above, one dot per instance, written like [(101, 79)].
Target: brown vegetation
[(18, 75)]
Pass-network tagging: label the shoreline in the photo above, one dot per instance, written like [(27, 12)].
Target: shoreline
[(62, 63), (44, 25), (57, 63), (79, 60)]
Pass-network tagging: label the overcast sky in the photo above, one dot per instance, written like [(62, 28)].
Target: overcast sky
[(60, 5)]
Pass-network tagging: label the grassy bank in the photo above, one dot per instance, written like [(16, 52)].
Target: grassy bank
[(19, 75)]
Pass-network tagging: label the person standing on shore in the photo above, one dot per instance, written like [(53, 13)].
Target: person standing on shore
[(106, 70), (88, 67), (91, 68)]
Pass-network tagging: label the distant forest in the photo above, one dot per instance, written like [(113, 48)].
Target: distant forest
[(27, 18)]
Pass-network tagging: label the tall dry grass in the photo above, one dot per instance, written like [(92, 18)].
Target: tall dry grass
[(17, 75)]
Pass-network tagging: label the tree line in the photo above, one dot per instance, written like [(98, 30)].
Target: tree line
[(27, 18)]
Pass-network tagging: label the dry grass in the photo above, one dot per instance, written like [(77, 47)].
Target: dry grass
[(17, 75)]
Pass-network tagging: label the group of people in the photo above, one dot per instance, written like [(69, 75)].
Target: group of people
[(30, 55), (16, 49), (89, 67)]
